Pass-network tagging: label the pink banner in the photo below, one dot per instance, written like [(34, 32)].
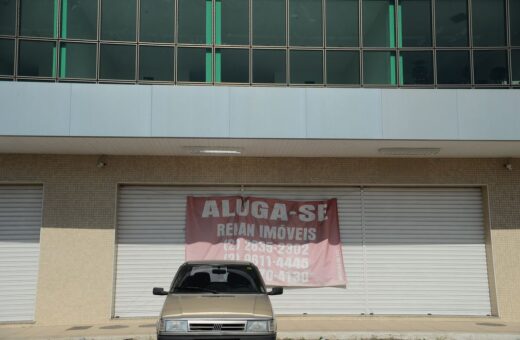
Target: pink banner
[(293, 243)]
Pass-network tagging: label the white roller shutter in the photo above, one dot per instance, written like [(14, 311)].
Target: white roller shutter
[(151, 248), (150, 244), (20, 223), (425, 251)]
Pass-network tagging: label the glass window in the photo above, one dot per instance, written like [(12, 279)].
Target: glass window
[(379, 68), (342, 67), (269, 66), (415, 23), (490, 67), (78, 60), (514, 14), (306, 67), (342, 23), (118, 20), (38, 18), (157, 20), (156, 63), (195, 21), (515, 64), (269, 22), (232, 66), (489, 27), (379, 23), (37, 59), (6, 57), (453, 67), (416, 67), (305, 23), (117, 62), (79, 19), (7, 16), (194, 64), (451, 20), (232, 22)]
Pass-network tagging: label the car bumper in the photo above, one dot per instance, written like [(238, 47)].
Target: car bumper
[(216, 337)]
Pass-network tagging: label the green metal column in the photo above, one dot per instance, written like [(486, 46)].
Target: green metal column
[(209, 40)]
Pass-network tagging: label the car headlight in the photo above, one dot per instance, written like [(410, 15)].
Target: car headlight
[(175, 326), (260, 326)]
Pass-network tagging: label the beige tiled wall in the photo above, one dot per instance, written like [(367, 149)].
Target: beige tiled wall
[(77, 240)]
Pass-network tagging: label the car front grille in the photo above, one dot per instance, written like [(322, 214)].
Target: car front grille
[(217, 327)]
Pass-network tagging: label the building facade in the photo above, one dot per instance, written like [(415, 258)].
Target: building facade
[(114, 111)]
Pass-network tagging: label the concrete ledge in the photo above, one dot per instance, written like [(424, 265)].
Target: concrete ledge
[(303, 328)]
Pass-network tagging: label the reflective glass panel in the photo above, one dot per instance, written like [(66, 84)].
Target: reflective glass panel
[(342, 67), (269, 66), (305, 22), (416, 23), (490, 67), (379, 23), (416, 67), (379, 68), (38, 18), (489, 22), (78, 60), (234, 22), (451, 22), (342, 23), (453, 67), (156, 63), (7, 16), (306, 67), (194, 64), (514, 21), (37, 59), (6, 57), (157, 21), (234, 66), (269, 22), (117, 62), (195, 21), (515, 65), (118, 20), (79, 19)]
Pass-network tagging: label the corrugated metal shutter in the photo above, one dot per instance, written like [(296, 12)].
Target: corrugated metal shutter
[(20, 223), (151, 247), (425, 251), (150, 244)]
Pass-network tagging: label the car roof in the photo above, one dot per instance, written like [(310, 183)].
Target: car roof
[(220, 262)]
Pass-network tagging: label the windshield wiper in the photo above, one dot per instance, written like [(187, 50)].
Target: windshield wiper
[(199, 289)]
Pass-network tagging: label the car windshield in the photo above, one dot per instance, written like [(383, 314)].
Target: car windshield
[(204, 278)]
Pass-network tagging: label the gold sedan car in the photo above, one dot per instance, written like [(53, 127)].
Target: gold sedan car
[(217, 300)]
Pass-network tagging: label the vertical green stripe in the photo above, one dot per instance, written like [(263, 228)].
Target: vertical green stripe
[(209, 22), (63, 61), (56, 18), (54, 61), (209, 64), (391, 23), (399, 26), (218, 22), (401, 70), (64, 15), (218, 68), (392, 69)]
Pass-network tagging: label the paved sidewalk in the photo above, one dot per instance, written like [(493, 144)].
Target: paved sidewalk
[(331, 328)]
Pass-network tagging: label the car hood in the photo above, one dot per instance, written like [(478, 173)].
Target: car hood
[(217, 305)]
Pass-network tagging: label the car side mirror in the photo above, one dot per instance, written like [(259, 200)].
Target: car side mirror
[(159, 291), (276, 291)]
